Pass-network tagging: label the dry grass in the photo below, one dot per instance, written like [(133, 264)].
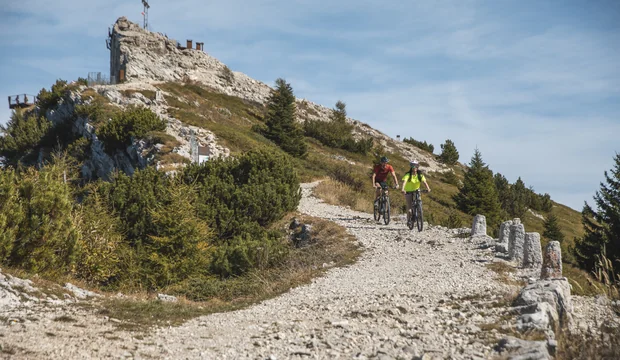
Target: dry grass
[(589, 346), (149, 94), (581, 282), (336, 193), (173, 158), (503, 270)]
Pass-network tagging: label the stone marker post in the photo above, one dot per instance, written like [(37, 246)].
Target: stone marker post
[(516, 242), (479, 226), (552, 261), (532, 253), (504, 235)]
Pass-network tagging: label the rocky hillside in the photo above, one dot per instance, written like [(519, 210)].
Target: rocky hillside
[(150, 59), (196, 93)]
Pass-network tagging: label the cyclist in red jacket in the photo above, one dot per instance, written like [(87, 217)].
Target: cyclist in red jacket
[(379, 177)]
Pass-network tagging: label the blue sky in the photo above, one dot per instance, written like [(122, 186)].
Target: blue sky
[(535, 85)]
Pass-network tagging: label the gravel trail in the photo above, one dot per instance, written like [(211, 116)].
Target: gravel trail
[(411, 295)]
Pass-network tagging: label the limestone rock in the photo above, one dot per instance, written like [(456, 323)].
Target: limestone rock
[(80, 293), (479, 226), (504, 235), (552, 262), (517, 349), (554, 293), (516, 242), (166, 298), (532, 253)]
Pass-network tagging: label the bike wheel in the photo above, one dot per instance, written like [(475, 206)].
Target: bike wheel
[(377, 210), (386, 211), (410, 220), (420, 217)]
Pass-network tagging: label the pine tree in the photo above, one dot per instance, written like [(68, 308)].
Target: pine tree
[(478, 194), (519, 199), (449, 154), (503, 190), (339, 114), (280, 120), (602, 226), (552, 229)]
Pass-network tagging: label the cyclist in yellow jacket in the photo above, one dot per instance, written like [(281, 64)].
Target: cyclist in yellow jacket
[(412, 182)]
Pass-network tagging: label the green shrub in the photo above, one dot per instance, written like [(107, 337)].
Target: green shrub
[(82, 81), (47, 235), (259, 186), (11, 212), (23, 135), (136, 122), (133, 197), (239, 198), (453, 221), (258, 249), (337, 132), (179, 246), (419, 144), (101, 250), (170, 243), (227, 75), (49, 99)]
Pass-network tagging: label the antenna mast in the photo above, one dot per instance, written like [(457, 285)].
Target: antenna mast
[(145, 13)]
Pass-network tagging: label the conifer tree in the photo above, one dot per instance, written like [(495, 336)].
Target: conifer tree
[(503, 190), (519, 199), (479, 194), (449, 154), (280, 120), (552, 229), (602, 225)]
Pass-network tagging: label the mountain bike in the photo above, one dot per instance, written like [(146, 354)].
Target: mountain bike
[(382, 206), (415, 215)]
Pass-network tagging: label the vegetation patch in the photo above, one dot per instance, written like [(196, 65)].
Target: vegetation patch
[(136, 122), (332, 245), (575, 345), (503, 271), (149, 94)]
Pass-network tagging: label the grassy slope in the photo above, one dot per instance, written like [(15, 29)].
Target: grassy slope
[(231, 119), (201, 107)]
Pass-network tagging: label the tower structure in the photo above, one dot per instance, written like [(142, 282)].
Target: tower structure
[(145, 13)]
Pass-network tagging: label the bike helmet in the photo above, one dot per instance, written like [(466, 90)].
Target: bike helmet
[(384, 160), (414, 163)]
